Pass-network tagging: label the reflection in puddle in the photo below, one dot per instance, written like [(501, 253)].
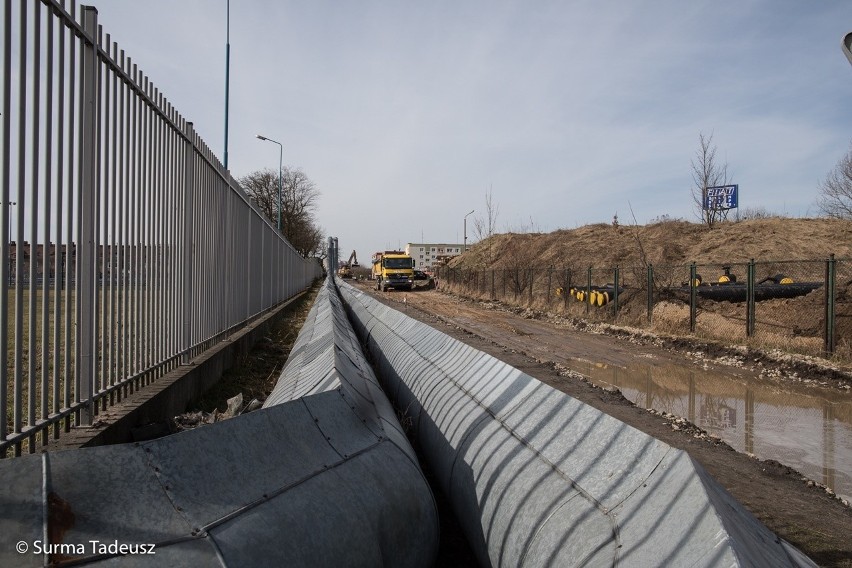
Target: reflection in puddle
[(809, 431)]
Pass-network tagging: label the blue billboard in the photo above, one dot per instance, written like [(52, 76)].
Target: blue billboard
[(721, 197)]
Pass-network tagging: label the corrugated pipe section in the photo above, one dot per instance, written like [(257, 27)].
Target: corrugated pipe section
[(323, 476), (538, 478)]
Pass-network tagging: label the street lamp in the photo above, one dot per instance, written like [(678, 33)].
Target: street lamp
[(847, 46), (227, 71), (280, 167), (465, 230)]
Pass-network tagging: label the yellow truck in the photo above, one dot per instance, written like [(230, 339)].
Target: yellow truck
[(393, 269)]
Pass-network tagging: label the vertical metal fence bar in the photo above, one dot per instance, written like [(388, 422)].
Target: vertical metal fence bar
[(19, 228), (145, 226), (187, 242), (86, 276), (32, 301), (125, 151), (70, 252), (157, 320), (113, 241), (97, 318), (47, 388), (5, 225), (135, 236), (102, 286), (58, 283), (588, 289)]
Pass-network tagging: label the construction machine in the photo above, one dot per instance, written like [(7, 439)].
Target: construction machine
[(345, 270)]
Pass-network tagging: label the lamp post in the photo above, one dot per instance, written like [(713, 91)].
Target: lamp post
[(464, 249), (227, 71), (280, 167)]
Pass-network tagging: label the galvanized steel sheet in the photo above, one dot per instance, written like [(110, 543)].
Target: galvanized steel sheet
[(537, 478), (327, 479)]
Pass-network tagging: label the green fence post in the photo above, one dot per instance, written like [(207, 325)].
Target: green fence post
[(750, 316), (830, 296), (693, 276)]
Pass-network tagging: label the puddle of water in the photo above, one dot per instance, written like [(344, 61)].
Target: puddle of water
[(810, 432)]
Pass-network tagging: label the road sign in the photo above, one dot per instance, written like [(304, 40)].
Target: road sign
[(721, 197)]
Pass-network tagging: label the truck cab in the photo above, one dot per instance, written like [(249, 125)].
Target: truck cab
[(393, 269)]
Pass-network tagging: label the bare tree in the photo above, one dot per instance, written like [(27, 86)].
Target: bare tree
[(262, 187), (707, 172), (298, 198), (485, 226), (835, 193)]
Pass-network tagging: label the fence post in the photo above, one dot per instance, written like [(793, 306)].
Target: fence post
[(830, 291), (588, 289), (188, 245), (87, 267), (566, 289), (750, 298), (650, 291), (693, 276)]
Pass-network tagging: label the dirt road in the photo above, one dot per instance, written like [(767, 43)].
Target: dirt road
[(801, 512)]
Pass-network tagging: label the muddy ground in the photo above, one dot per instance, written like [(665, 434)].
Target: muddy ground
[(800, 511)]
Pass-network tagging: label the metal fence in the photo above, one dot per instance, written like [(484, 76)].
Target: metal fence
[(802, 306), (129, 248)]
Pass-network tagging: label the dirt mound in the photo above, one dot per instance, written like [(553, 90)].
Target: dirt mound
[(665, 243)]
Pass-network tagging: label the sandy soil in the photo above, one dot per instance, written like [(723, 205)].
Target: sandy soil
[(802, 513)]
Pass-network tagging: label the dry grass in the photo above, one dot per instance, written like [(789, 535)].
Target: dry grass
[(794, 325), (256, 374)]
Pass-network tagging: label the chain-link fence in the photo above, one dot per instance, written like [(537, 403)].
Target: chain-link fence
[(801, 306)]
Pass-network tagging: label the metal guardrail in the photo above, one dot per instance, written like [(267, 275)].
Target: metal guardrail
[(125, 242), (321, 476), (537, 478)]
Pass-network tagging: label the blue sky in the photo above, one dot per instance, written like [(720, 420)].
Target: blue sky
[(405, 113)]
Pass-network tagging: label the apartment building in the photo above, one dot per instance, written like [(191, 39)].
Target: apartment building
[(430, 255)]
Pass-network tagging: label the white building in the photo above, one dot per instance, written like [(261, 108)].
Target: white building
[(429, 255)]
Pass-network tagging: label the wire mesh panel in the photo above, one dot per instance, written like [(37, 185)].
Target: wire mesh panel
[(843, 309), (790, 305)]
